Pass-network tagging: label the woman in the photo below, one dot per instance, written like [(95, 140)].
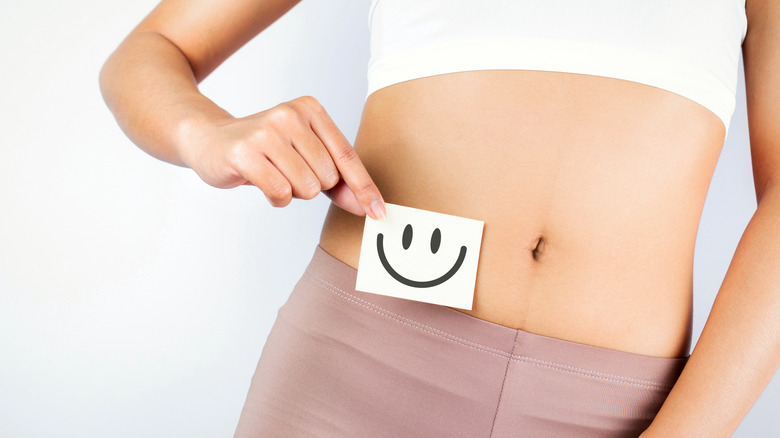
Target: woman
[(584, 136)]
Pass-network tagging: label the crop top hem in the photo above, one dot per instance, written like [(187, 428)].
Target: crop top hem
[(488, 53)]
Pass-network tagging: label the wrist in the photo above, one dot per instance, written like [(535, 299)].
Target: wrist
[(191, 134)]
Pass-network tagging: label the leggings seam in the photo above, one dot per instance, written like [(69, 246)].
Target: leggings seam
[(348, 296), (503, 385), (658, 386), (582, 371), (388, 314), (479, 347)]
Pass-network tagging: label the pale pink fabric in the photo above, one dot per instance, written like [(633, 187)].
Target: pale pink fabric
[(342, 363)]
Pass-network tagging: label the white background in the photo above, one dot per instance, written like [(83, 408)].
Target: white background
[(134, 298)]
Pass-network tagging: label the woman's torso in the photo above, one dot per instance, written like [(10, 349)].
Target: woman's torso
[(590, 186), (591, 189)]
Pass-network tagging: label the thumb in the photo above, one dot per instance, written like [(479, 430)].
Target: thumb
[(342, 196)]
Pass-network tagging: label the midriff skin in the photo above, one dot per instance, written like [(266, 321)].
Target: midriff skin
[(590, 188)]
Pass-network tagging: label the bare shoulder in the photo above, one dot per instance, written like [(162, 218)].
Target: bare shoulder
[(208, 31), (761, 59)]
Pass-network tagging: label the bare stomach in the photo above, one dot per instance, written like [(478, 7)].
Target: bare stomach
[(591, 190)]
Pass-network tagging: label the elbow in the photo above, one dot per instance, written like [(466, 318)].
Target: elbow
[(110, 81), (102, 79), (105, 76)]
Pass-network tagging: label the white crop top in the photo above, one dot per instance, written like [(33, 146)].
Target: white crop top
[(689, 47)]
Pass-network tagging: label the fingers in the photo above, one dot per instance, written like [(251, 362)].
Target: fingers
[(297, 151), (345, 159), (256, 168), (309, 146), (342, 196), (305, 183)]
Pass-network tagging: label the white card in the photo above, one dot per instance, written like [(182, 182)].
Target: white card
[(420, 255)]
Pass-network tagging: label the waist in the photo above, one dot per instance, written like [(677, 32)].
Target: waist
[(625, 293), (590, 219)]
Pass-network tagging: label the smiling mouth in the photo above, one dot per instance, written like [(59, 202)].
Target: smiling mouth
[(413, 283)]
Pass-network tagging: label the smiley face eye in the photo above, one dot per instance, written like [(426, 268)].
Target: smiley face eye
[(407, 237), (435, 240)]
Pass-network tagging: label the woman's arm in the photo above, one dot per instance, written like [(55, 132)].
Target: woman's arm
[(150, 83), (739, 349)]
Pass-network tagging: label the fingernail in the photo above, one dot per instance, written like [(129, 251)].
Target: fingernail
[(378, 209)]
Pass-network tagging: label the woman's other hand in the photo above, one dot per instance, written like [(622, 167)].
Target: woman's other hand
[(150, 83), (293, 150)]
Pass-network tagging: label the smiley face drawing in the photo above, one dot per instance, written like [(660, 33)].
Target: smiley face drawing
[(406, 242), (420, 255)]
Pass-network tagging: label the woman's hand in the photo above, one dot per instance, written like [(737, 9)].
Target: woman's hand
[(291, 150)]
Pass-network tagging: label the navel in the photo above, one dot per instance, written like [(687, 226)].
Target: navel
[(538, 250)]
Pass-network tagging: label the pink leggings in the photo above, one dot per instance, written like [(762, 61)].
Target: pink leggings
[(342, 363)]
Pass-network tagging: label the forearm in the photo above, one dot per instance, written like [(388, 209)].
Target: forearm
[(739, 348), (150, 88)]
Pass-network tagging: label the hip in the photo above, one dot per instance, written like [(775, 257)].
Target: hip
[(339, 362)]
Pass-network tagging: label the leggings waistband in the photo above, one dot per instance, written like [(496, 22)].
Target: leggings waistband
[(515, 344)]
